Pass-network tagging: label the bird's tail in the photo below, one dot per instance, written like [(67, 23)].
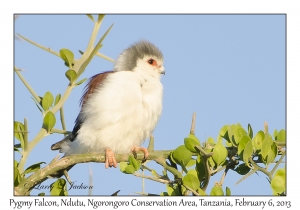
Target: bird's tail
[(63, 143)]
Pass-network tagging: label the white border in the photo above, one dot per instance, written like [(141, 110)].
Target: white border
[(291, 8)]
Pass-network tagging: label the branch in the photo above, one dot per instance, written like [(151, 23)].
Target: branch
[(192, 131), (62, 119), (162, 161), (36, 97), (57, 166), (190, 189), (204, 156), (160, 180), (40, 46), (265, 171), (246, 176), (277, 164)]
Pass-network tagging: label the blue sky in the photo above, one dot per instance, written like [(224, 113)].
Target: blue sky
[(227, 68)]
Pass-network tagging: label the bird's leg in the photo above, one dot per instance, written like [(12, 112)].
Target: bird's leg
[(144, 150), (110, 159)]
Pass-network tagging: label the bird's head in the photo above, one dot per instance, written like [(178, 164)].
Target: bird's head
[(142, 57)]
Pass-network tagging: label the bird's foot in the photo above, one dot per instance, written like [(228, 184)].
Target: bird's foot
[(110, 159), (135, 149)]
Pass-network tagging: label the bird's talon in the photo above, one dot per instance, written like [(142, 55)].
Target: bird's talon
[(144, 150), (110, 159)]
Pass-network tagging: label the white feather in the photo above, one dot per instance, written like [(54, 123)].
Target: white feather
[(122, 113)]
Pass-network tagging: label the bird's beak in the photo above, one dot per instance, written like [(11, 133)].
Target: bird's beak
[(162, 70)]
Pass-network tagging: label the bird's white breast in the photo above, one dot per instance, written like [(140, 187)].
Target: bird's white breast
[(121, 113)]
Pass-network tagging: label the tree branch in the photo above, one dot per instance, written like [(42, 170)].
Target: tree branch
[(192, 131), (57, 166)]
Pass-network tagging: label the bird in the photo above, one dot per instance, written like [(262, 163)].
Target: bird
[(119, 108)]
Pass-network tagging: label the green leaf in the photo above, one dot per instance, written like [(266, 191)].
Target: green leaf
[(231, 130), (242, 169), (127, 169), (242, 145), (211, 162), (193, 172), (191, 143), (91, 17), (47, 100), (173, 190), (33, 168), (49, 121), (17, 176), (57, 98), (266, 147), (280, 172), (250, 131), (41, 194), (191, 163), (275, 134), (134, 162), (210, 141), (201, 192), (80, 82), (71, 75), (192, 136), (239, 133), (228, 191), (247, 152), (216, 190), (258, 140), (281, 136), (164, 194), (59, 187), (171, 158), (272, 154), (191, 181), (278, 183), (16, 163), (67, 56), (182, 155), (224, 133), (228, 144), (200, 168), (170, 190), (219, 153), (19, 130), (123, 166)]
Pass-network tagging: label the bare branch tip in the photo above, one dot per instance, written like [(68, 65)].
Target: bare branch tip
[(192, 131)]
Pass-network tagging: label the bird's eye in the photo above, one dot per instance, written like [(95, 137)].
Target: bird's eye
[(152, 62)]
